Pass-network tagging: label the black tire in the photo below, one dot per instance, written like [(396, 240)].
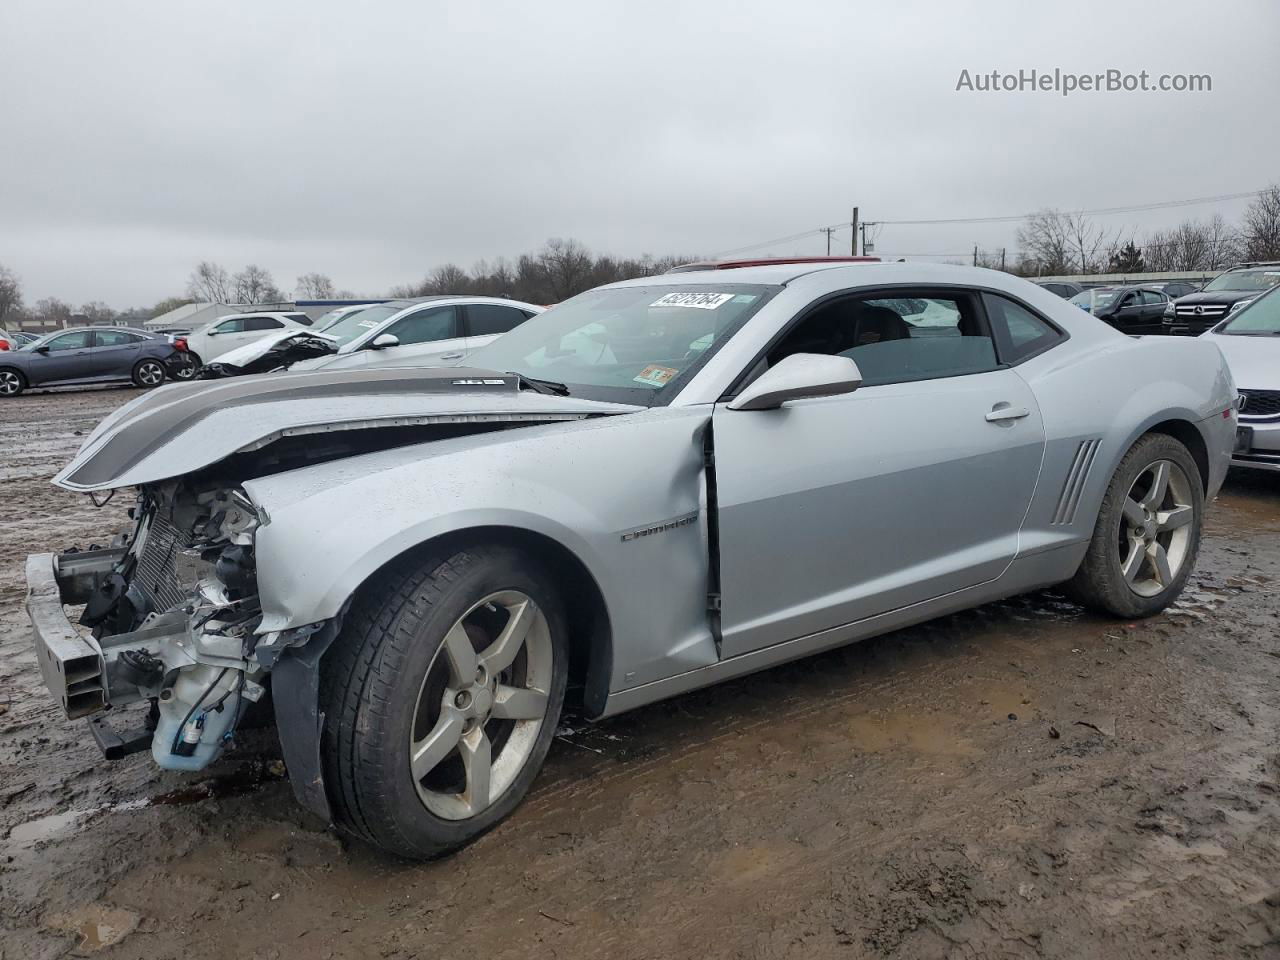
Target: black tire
[(12, 382), (189, 371), (370, 684), (1100, 584), (145, 372)]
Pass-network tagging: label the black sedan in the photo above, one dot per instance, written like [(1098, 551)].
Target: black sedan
[(92, 355), (1132, 310)]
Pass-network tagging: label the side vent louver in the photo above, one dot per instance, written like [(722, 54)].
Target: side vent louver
[(1069, 499)]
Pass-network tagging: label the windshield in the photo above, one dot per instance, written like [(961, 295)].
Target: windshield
[(626, 344), (1096, 299), (1245, 280), (1258, 319), (334, 315), (357, 324)]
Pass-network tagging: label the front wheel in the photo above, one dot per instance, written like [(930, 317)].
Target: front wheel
[(148, 373), (1147, 534), (12, 383), (441, 698)]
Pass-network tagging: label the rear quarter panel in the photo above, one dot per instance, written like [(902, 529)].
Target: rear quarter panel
[(1107, 394)]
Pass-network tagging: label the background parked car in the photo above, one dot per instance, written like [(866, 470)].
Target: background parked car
[(1226, 293), (1131, 310), (227, 333), (1250, 341), (1176, 288), (1062, 288), (90, 355), (425, 331)]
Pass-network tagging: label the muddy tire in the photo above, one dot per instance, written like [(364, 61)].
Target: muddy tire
[(441, 696), (12, 382), (148, 374), (1147, 536)]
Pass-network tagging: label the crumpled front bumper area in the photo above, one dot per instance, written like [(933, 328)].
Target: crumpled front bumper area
[(74, 669)]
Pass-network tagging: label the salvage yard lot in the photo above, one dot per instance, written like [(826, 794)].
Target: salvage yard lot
[(1022, 780)]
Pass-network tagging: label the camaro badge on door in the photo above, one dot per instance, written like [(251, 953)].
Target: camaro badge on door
[(659, 528)]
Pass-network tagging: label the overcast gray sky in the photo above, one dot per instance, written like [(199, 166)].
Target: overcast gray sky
[(374, 141)]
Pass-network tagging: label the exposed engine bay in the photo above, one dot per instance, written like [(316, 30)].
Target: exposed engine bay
[(175, 615), (283, 354)]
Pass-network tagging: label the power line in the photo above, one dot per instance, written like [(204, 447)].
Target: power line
[(1008, 218)]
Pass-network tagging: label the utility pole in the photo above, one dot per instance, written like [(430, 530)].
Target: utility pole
[(853, 234), (975, 254), (1002, 258), (827, 231)]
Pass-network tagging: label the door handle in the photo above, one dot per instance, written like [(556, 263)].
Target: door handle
[(1003, 411), (451, 356)]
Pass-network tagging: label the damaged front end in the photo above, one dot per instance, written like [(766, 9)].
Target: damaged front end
[(173, 608)]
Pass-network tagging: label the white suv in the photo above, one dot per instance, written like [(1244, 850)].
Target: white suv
[(227, 333)]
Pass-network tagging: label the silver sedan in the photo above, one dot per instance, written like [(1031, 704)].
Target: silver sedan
[(652, 487)]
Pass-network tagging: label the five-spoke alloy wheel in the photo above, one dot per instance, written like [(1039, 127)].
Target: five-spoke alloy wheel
[(441, 697), (1147, 535)]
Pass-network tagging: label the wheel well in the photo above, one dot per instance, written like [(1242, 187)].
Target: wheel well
[(1187, 434), (590, 633)]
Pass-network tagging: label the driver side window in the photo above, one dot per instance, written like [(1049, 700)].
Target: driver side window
[(230, 326), (426, 326), (911, 335), (70, 341)]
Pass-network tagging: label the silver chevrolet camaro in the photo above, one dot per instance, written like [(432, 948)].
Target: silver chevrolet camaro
[(652, 487)]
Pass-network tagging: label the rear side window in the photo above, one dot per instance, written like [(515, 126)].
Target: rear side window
[(301, 318), (230, 326), (1019, 333), (486, 319), (262, 323), (115, 338)]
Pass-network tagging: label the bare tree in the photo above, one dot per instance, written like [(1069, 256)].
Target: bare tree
[(1045, 244), (165, 305), (254, 285), (209, 283), (52, 311), (1261, 226), (566, 265), (98, 312), (1191, 245), (449, 278), (314, 286), (10, 293)]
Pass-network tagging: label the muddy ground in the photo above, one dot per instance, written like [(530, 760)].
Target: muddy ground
[(1023, 780)]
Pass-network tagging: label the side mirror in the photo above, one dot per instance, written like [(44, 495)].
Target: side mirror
[(43, 348), (799, 376), (384, 340)]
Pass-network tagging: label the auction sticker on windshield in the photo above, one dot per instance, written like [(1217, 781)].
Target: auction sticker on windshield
[(697, 301), (656, 376)]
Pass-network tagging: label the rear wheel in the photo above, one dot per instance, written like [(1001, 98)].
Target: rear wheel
[(148, 373), (1147, 535), (441, 698), (188, 370), (12, 383)]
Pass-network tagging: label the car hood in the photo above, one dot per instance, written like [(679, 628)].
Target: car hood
[(185, 427), (1217, 296), (1254, 361), (245, 355)]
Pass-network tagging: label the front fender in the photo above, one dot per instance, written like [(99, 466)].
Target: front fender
[(328, 528)]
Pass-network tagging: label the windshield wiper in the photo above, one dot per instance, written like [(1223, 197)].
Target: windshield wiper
[(550, 387)]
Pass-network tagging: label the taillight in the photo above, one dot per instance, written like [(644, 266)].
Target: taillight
[(180, 343), (4, 344)]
